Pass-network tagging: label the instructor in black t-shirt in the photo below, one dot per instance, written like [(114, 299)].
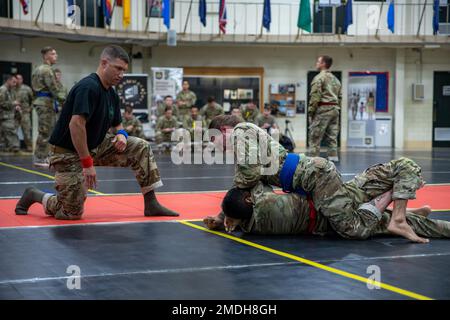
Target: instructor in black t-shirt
[(81, 140)]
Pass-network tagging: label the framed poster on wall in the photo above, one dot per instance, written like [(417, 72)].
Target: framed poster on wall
[(133, 91)]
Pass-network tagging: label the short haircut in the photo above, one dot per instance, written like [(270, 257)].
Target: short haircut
[(57, 70), (168, 97), (267, 107), (186, 81), (46, 50), (327, 60), (128, 109), (115, 52), (167, 108), (211, 99), (194, 107), (9, 77), (18, 75), (235, 206), (224, 120)]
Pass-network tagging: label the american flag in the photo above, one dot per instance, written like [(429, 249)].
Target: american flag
[(25, 5), (223, 17)]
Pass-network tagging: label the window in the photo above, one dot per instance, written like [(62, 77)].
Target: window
[(6, 8), (91, 13)]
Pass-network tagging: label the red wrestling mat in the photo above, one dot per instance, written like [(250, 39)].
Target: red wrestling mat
[(190, 205)]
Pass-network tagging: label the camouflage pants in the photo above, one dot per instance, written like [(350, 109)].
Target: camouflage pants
[(183, 112), (9, 135), (68, 203), (425, 227), (47, 119), (163, 137), (348, 209), (324, 126), (24, 121)]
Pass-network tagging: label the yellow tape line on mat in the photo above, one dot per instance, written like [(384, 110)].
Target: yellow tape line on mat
[(39, 174), (312, 263)]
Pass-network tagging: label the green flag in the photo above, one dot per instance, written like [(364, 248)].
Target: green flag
[(304, 16)]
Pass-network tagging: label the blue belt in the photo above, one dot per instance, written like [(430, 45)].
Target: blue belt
[(287, 174), (42, 94)]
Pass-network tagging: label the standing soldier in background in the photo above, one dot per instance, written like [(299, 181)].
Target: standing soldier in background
[(24, 95), (250, 112), (185, 100), (63, 90), (211, 110), (8, 106), (48, 94), (323, 113), (131, 124)]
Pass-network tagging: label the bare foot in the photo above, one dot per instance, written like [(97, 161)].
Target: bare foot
[(213, 223), (423, 211), (402, 228)]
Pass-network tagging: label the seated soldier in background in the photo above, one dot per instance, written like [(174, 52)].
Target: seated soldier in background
[(165, 126), (250, 112), (211, 110), (260, 210), (194, 123), (131, 124), (236, 111), (266, 120), (168, 102)]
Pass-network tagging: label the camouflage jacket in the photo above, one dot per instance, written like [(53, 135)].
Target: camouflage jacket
[(209, 112), (325, 87), (164, 123), (258, 156), (261, 120), (137, 130), (162, 107), (250, 115), (191, 124), (188, 97), (280, 214), (44, 80), (25, 95), (7, 107)]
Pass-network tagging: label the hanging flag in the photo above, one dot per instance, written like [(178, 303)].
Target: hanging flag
[(267, 15), (70, 8), (126, 4), (25, 5), (202, 12), (304, 16), (391, 17), (435, 16), (348, 15), (107, 11), (166, 13), (222, 17)]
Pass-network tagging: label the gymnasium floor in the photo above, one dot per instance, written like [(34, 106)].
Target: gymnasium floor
[(123, 255)]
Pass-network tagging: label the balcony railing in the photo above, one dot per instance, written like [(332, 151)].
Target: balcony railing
[(244, 21)]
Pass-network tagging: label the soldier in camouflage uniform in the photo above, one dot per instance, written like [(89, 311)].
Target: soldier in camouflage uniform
[(185, 100), (48, 95), (8, 107), (261, 211), (211, 110), (194, 123), (25, 97), (250, 112), (81, 141), (323, 112), (131, 124), (168, 102), (165, 126), (266, 121), (62, 89), (259, 157), (236, 111)]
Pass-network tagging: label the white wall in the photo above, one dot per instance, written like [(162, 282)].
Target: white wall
[(281, 65)]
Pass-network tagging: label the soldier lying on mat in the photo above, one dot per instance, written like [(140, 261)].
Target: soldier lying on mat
[(262, 211)]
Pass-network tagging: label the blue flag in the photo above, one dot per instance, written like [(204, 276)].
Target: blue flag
[(267, 15), (435, 16), (166, 13), (348, 15), (391, 17), (70, 8), (202, 12)]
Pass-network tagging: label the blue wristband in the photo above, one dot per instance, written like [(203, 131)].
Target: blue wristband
[(123, 132)]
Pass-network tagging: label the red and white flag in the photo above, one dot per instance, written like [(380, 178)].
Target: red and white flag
[(25, 6), (223, 17)]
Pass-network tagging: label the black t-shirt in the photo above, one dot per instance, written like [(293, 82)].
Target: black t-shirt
[(100, 107)]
